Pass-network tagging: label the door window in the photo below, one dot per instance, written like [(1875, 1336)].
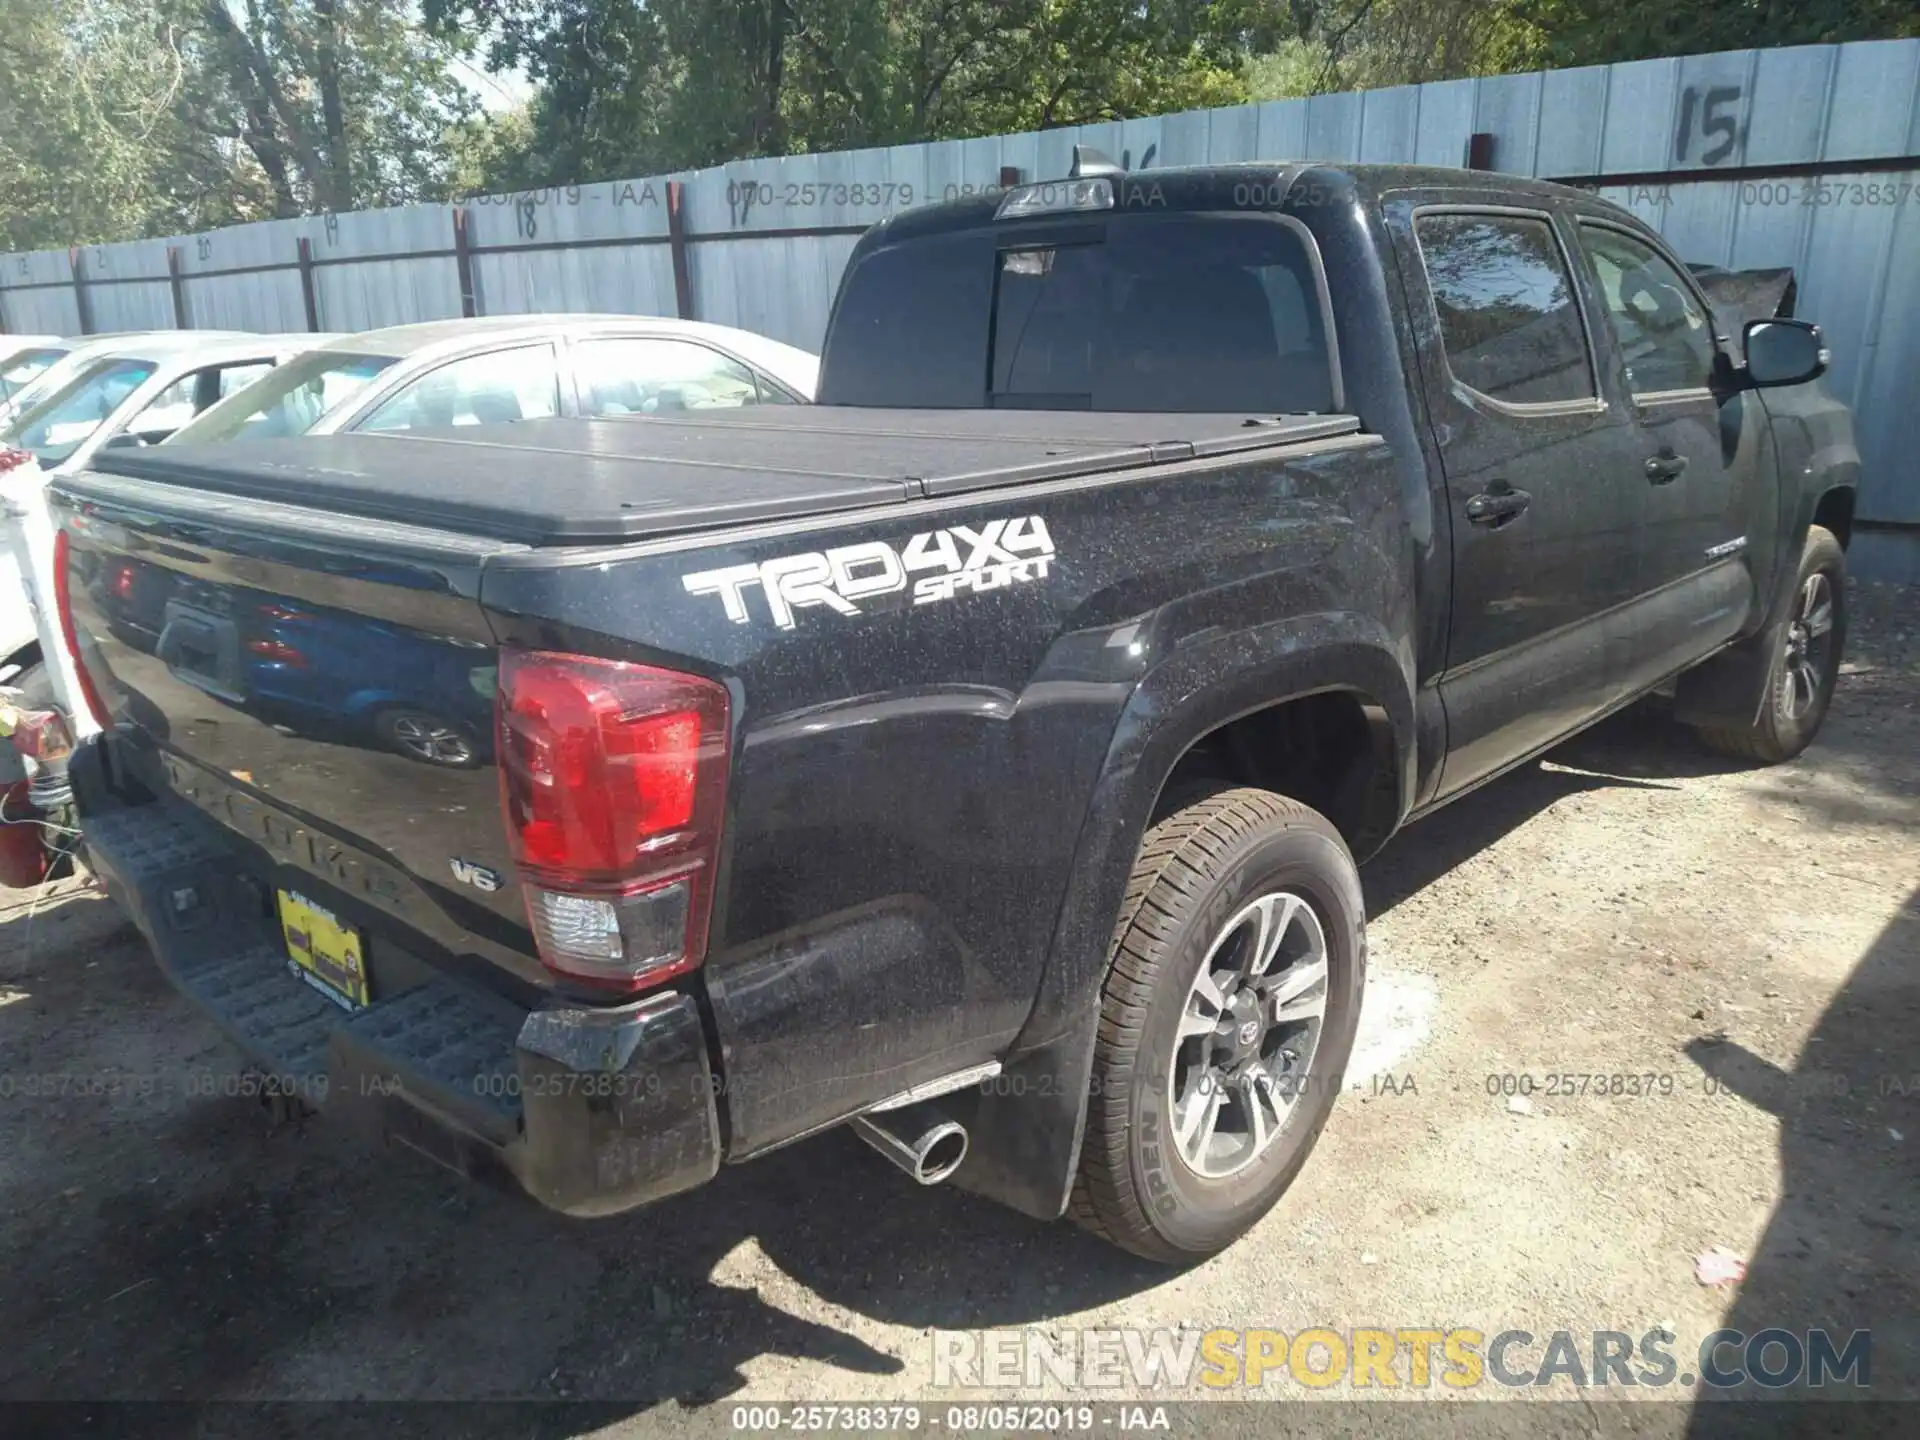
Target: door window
[(235, 378), (167, 411), (1664, 334), (640, 376), (1508, 317), (499, 386)]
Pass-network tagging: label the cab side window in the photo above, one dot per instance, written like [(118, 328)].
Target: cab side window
[(1505, 297), (1665, 336)]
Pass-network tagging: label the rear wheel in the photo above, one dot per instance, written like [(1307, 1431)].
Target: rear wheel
[(1806, 662), (1227, 1019)]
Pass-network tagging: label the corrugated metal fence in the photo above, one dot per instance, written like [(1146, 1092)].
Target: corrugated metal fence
[(1808, 157)]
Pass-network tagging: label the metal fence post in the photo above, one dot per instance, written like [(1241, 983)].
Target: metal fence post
[(82, 302), (463, 263), (306, 284), (677, 243), (177, 283)]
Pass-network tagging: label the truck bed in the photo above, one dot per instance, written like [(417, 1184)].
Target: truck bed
[(573, 481)]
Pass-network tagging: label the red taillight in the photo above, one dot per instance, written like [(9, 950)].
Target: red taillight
[(613, 781), (70, 637), (277, 651), (123, 582), (13, 459)]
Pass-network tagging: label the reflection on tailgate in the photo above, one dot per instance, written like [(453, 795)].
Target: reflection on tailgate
[(203, 649)]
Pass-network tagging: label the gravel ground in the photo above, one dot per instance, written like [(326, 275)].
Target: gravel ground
[(1629, 906)]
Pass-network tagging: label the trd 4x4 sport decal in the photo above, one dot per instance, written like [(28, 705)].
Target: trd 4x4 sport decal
[(947, 563)]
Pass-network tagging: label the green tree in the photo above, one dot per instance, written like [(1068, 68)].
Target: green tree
[(94, 96), (1371, 44), (125, 118), (341, 103), (627, 88), (1590, 32)]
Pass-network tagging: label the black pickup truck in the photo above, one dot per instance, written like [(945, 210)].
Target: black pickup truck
[(981, 756)]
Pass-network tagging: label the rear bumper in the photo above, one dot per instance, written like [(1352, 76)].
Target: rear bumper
[(590, 1111)]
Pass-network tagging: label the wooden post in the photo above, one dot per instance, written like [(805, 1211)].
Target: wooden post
[(178, 284), (677, 243), (463, 264), (306, 284), (82, 302)]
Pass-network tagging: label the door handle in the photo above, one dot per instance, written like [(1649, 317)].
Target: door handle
[(1664, 468), (1496, 505)]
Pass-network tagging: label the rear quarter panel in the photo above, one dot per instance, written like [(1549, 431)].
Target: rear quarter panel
[(915, 783)]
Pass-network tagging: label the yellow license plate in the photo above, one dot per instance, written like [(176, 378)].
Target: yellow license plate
[(323, 952)]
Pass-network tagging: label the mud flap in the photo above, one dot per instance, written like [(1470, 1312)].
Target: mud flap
[(1025, 1125), (1729, 689)]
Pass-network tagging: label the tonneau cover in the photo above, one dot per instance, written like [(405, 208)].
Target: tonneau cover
[(569, 481)]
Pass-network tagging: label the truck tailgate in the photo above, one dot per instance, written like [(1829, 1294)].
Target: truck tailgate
[(326, 696)]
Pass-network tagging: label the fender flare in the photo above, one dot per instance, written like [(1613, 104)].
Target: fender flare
[(1025, 1129), (1731, 687)]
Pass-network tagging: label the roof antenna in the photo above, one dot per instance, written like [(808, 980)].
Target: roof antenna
[(1089, 162)]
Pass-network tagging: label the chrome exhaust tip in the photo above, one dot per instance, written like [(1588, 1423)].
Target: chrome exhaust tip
[(919, 1139)]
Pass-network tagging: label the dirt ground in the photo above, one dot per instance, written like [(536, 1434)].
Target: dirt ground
[(1631, 905)]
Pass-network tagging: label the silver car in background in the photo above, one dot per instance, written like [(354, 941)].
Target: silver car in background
[(513, 367)]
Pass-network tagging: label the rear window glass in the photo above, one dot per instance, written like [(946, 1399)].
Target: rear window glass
[(287, 400), (1173, 314), (910, 328)]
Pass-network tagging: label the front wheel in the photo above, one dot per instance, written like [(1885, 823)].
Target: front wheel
[(1226, 1022), (1806, 662)]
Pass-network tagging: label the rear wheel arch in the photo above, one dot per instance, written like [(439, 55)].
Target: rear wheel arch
[(1025, 1149), (1336, 750)]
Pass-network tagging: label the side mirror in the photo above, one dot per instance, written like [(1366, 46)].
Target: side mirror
[(125, 440), (1784, 352)]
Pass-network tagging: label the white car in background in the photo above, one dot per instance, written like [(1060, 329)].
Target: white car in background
[(135, 390), (513, 367), (56, 360)]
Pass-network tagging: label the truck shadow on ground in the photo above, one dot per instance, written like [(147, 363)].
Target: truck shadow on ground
[(1839, 1251), (211, 1253), (183, 1246)]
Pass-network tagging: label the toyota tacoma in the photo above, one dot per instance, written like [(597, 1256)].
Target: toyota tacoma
[(982, 757)]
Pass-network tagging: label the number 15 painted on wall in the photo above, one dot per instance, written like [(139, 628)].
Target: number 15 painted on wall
[(1719, 116)]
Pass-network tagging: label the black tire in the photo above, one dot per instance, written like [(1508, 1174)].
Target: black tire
[(1790, 718), (410, 732), (1199, 868)]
